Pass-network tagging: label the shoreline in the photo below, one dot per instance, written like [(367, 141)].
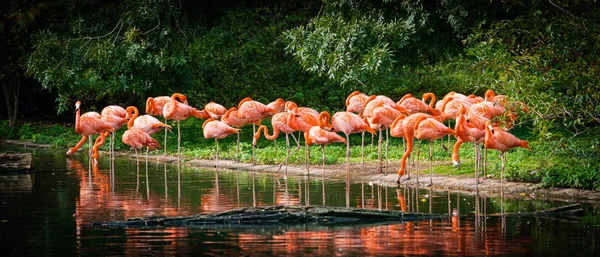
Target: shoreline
[(358, 174)]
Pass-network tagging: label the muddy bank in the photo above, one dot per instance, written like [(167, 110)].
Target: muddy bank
[(368, 174)]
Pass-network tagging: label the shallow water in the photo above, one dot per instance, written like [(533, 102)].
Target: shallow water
[(49, 211)]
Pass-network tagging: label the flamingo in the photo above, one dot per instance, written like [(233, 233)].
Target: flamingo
[(137, 138), (432, 129), (408, 125), (149, 124), (215, 110), (179, 110), (502, 141), (232, 118), (474, 132), (347, 123), (87, 125), (302, 119), (114, 116), (212, 128), (383, 117), (320, 136), (356, 102), (278, 105), (254, 112), (154, 106), (371, 104), (279, 123), (414, 105)]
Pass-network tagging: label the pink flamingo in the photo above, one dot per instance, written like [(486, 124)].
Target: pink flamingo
[(215, 110), (502, 141), (279, 123), (87, 125), (137, 138), (179, 110), (254, 112), (212, 128), (432, 129), (154, 106)]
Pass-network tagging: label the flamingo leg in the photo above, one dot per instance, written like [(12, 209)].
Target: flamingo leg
[(290, 154), (307, 159), (387, 142), (275, 146), (178, 142), (217, 153), (323, 158), (379, 143), (347, 155), (165, 143), (362, 149), (253, 132), (287, 145), (430, 163), (476, 163), (237, 148)]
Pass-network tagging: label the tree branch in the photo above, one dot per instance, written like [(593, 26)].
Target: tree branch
[(145, 33)]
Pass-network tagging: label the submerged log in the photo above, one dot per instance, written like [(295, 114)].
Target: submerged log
[(15, 161), (277, 215)]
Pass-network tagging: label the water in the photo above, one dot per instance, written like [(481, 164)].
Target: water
[(49, 211)]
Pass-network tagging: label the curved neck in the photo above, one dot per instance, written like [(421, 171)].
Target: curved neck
[(324, 119), (150, 105), (350, 96), (134, 111), (489, 95), (429, 96), (243, 101)]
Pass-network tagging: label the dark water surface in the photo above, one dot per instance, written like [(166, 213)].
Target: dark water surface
[(48, 212)]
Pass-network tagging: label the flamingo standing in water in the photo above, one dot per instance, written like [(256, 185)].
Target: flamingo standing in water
[(87, 125), (502, 141), (212, 128), (232, 118), (137, 138), (114, 116), (302, 119), (154, 106), (254, 112), (279, 123), (432, 129), (179, 110)]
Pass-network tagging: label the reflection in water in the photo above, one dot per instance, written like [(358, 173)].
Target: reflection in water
[(110, 192)]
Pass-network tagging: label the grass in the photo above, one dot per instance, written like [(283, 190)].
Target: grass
[(551, 163)]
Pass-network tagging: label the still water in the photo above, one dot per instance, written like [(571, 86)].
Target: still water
[(49, 212)]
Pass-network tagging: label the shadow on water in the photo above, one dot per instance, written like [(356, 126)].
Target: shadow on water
[(55, 205)]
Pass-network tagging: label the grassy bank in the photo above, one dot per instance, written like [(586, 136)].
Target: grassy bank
[(551, 163)]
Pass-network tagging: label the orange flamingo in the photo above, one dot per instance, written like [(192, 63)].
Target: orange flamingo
[(320, 136), (371, 104), (149, 124), (114, 116), (408, 125), (254, 112), (356, 102), (502, 141), (474, 131), (278, 105), (302, 119), (215, 110), (87, 125), (383, 117), (432, 129), (116, 122), (347, 123), (212, 128), (179, 110), (154, 106), (232, 118), (137, 138), (414, 105), (279, 123)]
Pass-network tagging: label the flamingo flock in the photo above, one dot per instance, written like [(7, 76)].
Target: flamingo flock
[(477, 120)]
